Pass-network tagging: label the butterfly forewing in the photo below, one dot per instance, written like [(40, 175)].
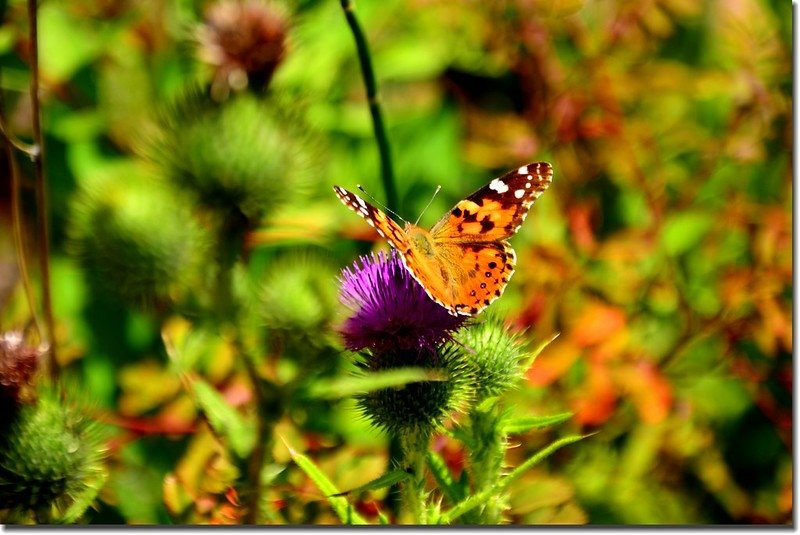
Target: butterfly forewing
[(387, 228), (425, 270), (497, 210)]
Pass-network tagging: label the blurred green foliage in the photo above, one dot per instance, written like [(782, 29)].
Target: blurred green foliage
[(662, 252)]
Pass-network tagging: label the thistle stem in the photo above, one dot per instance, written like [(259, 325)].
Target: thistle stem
[(415, 447), (486, 458), (43, 212), (16, 218), (364, 58)]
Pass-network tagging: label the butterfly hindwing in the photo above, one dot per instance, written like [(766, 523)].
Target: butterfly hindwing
[(483, 271)]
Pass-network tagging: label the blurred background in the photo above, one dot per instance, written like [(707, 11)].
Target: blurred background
[(192, 146)]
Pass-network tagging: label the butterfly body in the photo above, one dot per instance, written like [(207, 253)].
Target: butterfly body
[(465, 261)]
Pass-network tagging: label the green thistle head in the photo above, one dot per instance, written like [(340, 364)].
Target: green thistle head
[(244, 155), (495, 356), (417, 408), (298, 299), (137, 238), (51, 462)]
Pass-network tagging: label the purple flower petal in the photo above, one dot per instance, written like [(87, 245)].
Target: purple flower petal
[(391, 310)]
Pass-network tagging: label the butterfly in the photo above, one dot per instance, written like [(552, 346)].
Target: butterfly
[(465, 261)]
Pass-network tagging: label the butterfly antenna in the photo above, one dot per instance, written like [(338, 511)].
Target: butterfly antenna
[(428, 205), (380, 204)]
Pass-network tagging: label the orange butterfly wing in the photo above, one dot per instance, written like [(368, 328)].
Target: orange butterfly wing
[(496, 211), (472, 239), (423, 269), (465, 262)]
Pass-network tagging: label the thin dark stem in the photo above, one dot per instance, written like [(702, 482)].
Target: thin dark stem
[(16, 217), (364, 58), (43, 211), (259, 454)]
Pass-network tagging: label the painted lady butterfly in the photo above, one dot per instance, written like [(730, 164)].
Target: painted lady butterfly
[(465, 261)]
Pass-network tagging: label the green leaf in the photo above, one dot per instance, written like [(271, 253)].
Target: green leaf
[(539, 457), (65, 43), (386, 480), (684, 231), (340, 505), (348, 386), (225, 420), (443, 478), (526, 423), (477, 499)]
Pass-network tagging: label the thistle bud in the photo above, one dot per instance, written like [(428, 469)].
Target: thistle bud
[(138, 239), (244, 42), (50, 462), (18, 363), (244, 156), (494, 355)]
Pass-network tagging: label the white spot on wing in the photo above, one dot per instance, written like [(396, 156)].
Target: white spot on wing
[(498, 185), (523, 170), (519, 193)]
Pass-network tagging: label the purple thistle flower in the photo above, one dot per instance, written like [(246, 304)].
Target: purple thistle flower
[(391, 310)]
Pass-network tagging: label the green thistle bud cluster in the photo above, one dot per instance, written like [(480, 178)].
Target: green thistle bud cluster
[(494, 356), (245, 155), (137, 238), (298, 299), (50, 462)]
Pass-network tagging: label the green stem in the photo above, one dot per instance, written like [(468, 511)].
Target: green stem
[(364, 58), (43, 212), (230, 241), (487, 457), (478, 499), (415, 447)]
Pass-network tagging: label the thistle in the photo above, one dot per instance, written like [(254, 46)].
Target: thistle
[(391, 311), (137, 238), (18, 363), (494, 354), (51, 462), (395, 324), (244, 42), (245, 156)]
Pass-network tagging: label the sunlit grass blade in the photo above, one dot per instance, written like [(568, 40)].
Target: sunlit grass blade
[(527, 423), (361, 384), (386, 480), (340, 505), (481, 498)]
